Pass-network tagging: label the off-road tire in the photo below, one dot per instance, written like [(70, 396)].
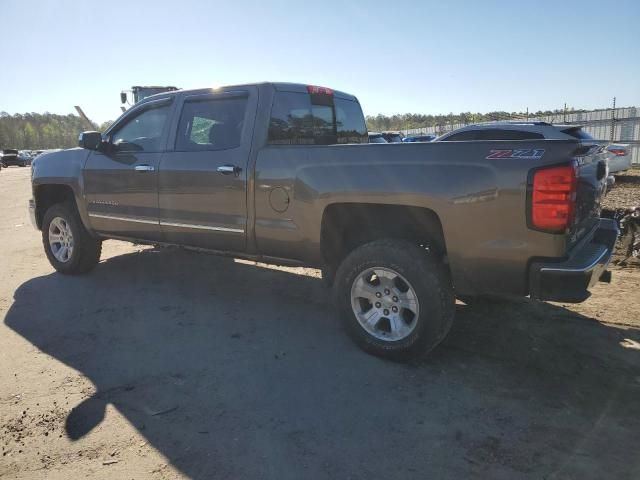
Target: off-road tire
[(430, 280), (86, 249)]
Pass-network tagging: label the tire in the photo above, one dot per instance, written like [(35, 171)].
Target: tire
[(85, 250), (419, 288), (328, 275)]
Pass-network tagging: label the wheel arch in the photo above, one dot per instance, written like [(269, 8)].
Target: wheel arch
[(47, 195), (345, 226)]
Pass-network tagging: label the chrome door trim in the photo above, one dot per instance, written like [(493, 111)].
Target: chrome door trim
[(202, 227), (124, 219), (167, 224)]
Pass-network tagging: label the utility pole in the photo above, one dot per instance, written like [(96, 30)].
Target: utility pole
[(564, 114), (527, 114), (613, 120)]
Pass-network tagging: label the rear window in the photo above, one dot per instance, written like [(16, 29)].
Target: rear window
[(376, 139), (350, 123), (495, 134), (456, 137), (295, 120), (578, 133), (507, 135), (392, 137)]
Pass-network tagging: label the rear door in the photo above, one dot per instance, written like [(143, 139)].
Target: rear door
[(121, 182), (202, 180)]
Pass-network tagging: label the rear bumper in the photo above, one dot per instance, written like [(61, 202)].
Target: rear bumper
[(619, 164), (570, 280)]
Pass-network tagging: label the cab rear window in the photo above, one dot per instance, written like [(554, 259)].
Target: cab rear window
[(296, 120)]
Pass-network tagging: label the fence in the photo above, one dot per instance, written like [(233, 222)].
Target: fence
[(620, 125)]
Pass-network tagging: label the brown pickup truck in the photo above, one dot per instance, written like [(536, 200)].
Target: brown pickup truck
[(284, 173)]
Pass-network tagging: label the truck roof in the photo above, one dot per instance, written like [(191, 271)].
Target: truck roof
[(279, 86)]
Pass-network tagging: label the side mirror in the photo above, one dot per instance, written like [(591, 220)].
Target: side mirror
[(90, 140), (123, 97)]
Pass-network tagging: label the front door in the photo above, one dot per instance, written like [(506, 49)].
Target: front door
[(121, 181), (202, 183)]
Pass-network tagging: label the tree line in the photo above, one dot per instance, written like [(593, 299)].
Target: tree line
[(40, 131)]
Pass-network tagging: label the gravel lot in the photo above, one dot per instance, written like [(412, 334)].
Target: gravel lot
[(166, 364)]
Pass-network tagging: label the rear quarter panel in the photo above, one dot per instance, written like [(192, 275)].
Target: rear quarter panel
[(481, 203)]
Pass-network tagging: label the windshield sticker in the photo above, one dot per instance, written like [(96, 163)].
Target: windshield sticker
[(523, 154)]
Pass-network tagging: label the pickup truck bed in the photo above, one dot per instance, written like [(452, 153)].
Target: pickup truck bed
[(283, 173)]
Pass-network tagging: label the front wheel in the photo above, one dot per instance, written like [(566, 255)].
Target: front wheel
[(395, 298), (68, 245)]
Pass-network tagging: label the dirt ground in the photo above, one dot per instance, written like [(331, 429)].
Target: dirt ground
[(166, 364)]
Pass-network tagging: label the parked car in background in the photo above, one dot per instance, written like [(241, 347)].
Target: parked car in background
[(514, 130), (392, 137), (619, 157), (376, 137), (10, 157), (25, 156), (419, 138)]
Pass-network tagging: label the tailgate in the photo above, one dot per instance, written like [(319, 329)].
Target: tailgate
[(592, 174)]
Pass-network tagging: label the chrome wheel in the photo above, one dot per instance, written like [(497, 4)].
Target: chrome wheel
[(385, 304), (60, 239)]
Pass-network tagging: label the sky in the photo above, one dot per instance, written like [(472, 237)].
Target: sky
[(395, 56)]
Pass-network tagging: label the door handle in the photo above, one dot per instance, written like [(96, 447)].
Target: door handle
[(229, 169), (144, 168)]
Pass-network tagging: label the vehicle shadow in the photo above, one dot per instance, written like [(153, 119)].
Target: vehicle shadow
[(232, 370)]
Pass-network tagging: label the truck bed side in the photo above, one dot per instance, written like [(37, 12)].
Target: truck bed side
[(480, 203)]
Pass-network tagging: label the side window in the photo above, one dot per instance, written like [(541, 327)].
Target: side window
[(214, 124), (350, 122), (142, 133)]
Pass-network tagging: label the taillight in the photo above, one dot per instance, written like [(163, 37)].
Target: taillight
[(618, 152), (315, 90), (553, 198)]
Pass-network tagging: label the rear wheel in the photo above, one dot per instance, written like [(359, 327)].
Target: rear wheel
[(68, 245), (395, 298)]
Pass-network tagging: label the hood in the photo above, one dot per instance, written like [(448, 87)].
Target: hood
[(60, 163)]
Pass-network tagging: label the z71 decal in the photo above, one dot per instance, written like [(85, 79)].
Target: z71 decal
[(523, 154)]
